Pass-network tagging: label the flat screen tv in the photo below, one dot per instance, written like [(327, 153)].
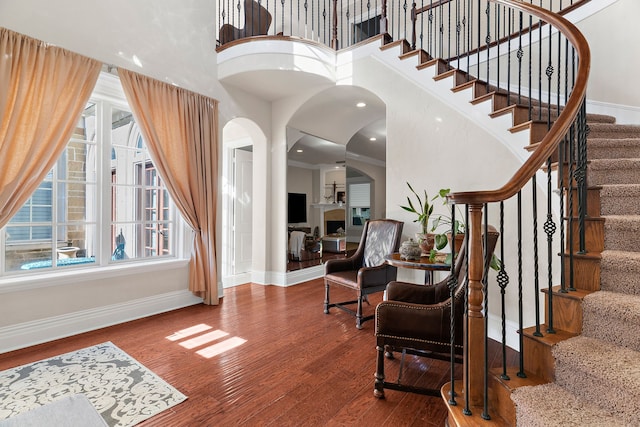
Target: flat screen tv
[(297, 208)]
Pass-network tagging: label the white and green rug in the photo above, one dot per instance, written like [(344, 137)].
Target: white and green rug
[(122, 390)]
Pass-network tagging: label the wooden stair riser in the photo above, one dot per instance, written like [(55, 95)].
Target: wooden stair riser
[(403, 44), (498, 100), (537, 130), (567, 310), (586, 272), (593, 233), (500, 391), (500, 399), (478, 88), (593, 203), (538, 358)]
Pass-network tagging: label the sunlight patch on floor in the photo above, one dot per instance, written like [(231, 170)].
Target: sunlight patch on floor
[(187, 332), (221, 347), (199, 338)]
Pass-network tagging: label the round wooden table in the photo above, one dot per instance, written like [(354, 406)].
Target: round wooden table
[(423, 263)]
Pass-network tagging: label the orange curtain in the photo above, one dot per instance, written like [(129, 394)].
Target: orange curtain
[(43, 90), (181, 131)]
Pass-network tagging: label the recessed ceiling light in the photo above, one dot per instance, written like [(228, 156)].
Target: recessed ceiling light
[(373, 138), (361, 105), (299, 151)]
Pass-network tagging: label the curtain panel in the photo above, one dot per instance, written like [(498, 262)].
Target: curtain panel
[(181, 131), (43, 91)]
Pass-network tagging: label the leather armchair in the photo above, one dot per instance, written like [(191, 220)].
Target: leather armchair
[(416, 319), (365, 271)]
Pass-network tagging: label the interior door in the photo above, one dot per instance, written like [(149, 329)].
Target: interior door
[(242, 210)]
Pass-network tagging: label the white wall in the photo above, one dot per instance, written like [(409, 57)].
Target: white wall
[(613, 35)]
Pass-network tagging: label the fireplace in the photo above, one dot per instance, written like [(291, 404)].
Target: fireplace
[(333, 226)]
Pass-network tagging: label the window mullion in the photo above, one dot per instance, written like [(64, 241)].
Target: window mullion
[(103, 186)]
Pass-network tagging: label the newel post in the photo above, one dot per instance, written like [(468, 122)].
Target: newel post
[(474, 350), (334, 36)]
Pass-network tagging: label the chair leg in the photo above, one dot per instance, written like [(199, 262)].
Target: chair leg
[(359, 311), (378, 390), (326, 298)]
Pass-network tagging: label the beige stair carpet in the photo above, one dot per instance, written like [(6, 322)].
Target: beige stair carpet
[(598, 373)]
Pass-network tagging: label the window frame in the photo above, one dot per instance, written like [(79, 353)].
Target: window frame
[(107, 95)]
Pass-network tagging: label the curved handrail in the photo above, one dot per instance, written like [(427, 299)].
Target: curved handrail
[(560, 127)]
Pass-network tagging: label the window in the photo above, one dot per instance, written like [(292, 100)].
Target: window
[(359, 197), (104, 172), (367, 28)]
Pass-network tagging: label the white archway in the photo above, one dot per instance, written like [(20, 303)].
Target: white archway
[(242, 227)]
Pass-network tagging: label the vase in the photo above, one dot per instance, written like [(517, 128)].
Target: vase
[(426, 242), (458, 242), (410, 250)]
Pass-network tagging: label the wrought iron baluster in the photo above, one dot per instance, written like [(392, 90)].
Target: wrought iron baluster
[(503, 281), (521, 373), (485, 291), (549, 229), (451, 283), (561, 174), (536, 272), (582, 174)]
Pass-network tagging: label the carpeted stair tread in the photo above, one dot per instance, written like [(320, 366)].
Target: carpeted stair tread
[(612, 317), (607, 130), (609, 148), (600, 372), (549, 405), (613, 171), (620, 232), (620, 199), (620, 272)]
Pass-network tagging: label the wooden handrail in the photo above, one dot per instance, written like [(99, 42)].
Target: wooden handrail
[(560, 127)]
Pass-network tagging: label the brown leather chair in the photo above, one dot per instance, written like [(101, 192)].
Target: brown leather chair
[(416, 319), (365, 271), (257, 20)]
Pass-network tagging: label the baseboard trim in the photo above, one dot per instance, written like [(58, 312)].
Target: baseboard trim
[(304, 275), (26, 334)]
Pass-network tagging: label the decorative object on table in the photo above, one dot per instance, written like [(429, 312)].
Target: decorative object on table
[(410, 249), (121, 389), (423, 211)]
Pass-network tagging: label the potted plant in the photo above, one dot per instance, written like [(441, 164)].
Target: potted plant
[(423, 210), (445, 222)]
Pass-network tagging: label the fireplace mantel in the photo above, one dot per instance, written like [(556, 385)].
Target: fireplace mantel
[(327, 214)]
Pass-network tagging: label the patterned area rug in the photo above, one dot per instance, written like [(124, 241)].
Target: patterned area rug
[(122, 390)]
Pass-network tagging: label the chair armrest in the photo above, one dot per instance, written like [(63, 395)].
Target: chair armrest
[(412, 293), (341, 264), (376, 276)]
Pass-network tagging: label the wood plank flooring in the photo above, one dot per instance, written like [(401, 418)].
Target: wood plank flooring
[(295, 367)]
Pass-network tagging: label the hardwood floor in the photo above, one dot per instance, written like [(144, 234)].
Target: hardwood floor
[(297, 367)]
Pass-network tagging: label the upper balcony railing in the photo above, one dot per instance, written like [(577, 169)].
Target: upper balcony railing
[(429, 24)]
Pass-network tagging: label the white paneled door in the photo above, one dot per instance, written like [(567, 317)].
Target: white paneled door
[(242, 207)]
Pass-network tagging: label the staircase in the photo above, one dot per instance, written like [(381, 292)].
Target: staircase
[(584, 374), (595, 379)]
